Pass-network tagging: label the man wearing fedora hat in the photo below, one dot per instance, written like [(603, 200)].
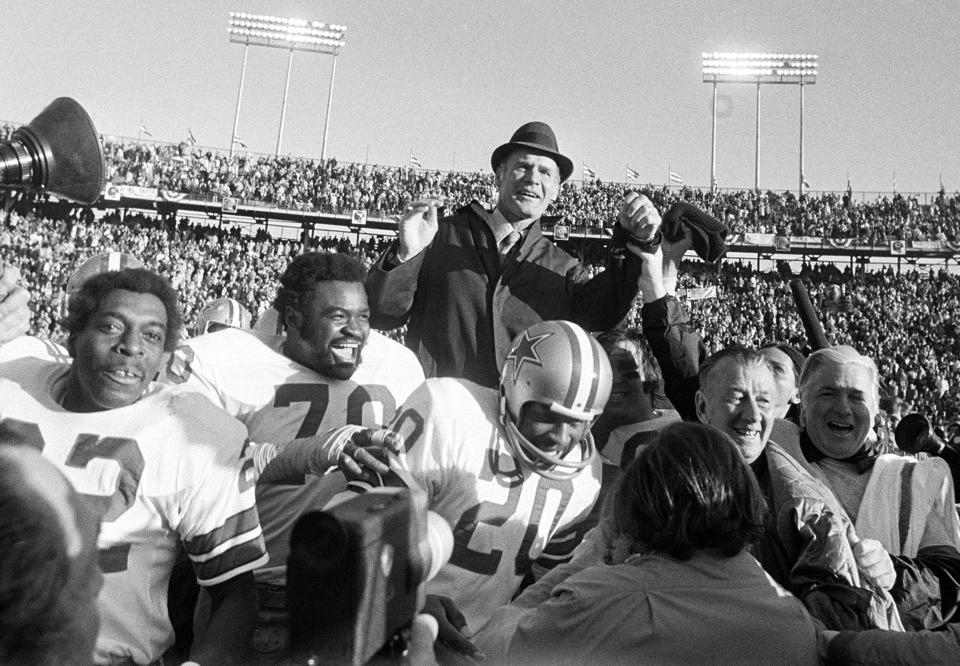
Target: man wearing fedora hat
[(466, 286)]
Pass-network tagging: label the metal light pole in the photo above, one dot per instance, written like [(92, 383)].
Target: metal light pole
[(756, 153), (713, 144), (283, 104), (290, 34), (759, 68), (802, 177), (236, 115), (326, 120)]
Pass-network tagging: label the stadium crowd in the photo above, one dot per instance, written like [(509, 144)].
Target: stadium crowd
[(333, 187), (905, 321), (569, 515)]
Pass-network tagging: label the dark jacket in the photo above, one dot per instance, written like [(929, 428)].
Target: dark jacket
[(462, 310)]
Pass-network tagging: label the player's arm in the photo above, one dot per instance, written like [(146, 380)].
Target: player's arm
[(233, 615), (354, 449)]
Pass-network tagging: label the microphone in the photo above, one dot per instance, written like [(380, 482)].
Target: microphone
[(914, 435), (816, 338)]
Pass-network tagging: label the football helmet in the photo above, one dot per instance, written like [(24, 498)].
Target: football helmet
[(559, 364), (100, 263), (222, 313)]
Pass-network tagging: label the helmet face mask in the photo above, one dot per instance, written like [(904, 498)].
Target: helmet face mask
[(561, 366)]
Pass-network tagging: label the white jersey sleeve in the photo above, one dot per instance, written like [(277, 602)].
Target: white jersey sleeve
[(502, 514), (165, 470)]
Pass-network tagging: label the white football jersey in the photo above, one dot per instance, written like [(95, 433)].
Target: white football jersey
[(278, 399), (163, 471), (503, 515)]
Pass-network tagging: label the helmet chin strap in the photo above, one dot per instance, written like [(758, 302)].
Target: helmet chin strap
[(545, 464)]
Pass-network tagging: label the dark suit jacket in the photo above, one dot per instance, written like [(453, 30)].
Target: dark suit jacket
[(463, 311)]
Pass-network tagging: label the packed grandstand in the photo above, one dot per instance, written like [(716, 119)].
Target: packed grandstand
[(905, 319)]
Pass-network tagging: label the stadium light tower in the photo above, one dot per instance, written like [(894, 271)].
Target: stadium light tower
[(757, 68), (292, 35)]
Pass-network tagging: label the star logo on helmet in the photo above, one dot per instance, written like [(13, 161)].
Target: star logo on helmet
[(525, 351)]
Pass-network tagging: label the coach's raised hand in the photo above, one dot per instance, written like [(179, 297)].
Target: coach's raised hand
[(417, 227), (640, 219), (14, 311)]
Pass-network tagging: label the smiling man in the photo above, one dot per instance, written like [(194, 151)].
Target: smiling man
[(904, 503), (328, 372), (804, 546), (467, 285), (161, 468), (514, 471)]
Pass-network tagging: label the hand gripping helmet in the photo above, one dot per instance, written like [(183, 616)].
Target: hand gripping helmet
[(101, 263), (222, 313), (559, 364)]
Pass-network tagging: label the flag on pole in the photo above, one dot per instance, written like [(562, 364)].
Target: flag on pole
[(144, 130), (588, 173), (238, 140), (415, 161), (805, 183), (191, 139), (894, 181), (632, 175), (676, 178)]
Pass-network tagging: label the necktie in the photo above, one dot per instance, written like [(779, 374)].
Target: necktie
[(506, 245)]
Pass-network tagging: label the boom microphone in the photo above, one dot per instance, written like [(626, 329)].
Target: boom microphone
[(808, 316), (59, 152)]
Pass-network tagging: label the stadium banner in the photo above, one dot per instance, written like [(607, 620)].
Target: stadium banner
[(699, 293), (953, 246), (171, 196), (561, 232), (898, 248), (758, 239), (782, 243), (839, 242), (137, 192), (229, 204), (927, 245), (810, 240), (359, 217), (111, 192)]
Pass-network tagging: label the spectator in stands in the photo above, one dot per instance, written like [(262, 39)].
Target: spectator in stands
[(470, 284)]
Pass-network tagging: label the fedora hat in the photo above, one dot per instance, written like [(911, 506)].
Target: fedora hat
[(538, 137)]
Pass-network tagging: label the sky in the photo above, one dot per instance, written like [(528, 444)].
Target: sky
[(619, 82)]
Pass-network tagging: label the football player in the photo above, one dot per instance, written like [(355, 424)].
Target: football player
[(161, 466), (514, 471), (41, 347), (329, 371)]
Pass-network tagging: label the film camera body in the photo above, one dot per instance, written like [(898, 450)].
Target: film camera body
[(356, 574)]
